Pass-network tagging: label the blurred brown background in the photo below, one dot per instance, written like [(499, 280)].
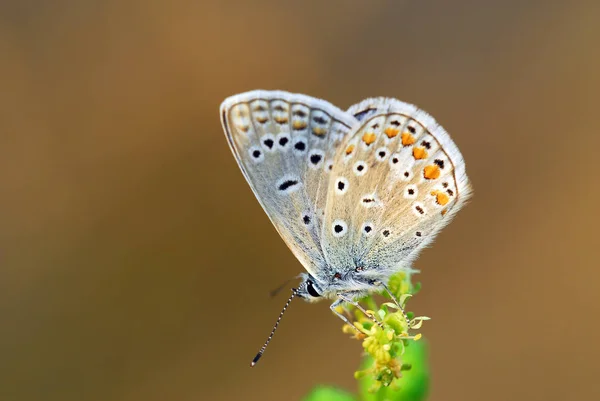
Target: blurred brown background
[(135, 261)]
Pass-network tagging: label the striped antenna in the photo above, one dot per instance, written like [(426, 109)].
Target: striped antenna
[(264, 347)]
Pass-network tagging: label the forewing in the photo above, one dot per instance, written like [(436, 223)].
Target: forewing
[(284, 144), (396, 182)]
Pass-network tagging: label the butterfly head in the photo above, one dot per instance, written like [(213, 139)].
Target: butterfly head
[(309, 289), (358, 281)]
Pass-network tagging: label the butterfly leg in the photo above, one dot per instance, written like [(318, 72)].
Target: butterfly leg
[(344, 298), (395, 301), (333, 307)]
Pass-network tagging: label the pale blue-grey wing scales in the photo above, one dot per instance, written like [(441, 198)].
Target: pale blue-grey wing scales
[(283, 143), (396, 182)]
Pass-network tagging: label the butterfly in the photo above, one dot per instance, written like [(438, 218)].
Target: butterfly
[(355, 195)]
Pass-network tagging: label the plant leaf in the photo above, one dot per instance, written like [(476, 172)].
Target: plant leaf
[(416, 324), (403, 299)]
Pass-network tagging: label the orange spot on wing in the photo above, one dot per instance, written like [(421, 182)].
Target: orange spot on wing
[(441, 198), (419, 153), (298, 124), (408, 139), (369, 138), (431, 172), (262, 119), (349, 149), (319, 131), (391, 132), (281, 120), (444, 212)]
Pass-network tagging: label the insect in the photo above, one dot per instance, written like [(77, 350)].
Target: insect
[(355, 194)]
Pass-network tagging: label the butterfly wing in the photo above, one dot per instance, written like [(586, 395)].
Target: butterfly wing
[(396, 182), (284, 144)]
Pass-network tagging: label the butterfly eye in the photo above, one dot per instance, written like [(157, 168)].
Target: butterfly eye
[(311, 289)]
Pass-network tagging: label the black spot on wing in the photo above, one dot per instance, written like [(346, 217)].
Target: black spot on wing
[(287, 184), (269, 143), (361, 115), (315, 158)]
